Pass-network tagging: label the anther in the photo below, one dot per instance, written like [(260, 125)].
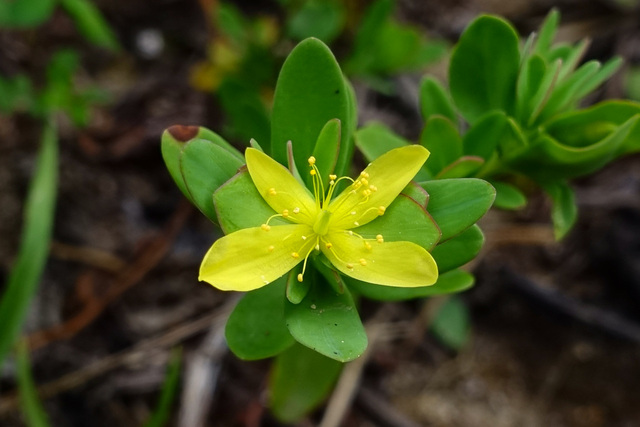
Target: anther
[(367, 245), (350, 266), (381, 210), (364, 181), (329, 245), (271, 248), (364, 174), (363, 262), (366, 193), (356, 223), (333, 177), (285, 213), (265, 227), (296, 210), (295, 254), (272, 191), (299, 277), (312, 161), (312, 172), (379, 238), (373, 188)]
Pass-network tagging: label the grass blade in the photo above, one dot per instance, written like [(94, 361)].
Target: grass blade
[(169, 389), (34, 413), (34, 247)]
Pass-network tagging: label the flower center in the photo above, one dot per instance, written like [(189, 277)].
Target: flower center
[(321, 226)]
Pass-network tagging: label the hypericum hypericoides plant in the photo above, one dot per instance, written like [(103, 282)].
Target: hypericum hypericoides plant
[(523, 125), (306, 241)]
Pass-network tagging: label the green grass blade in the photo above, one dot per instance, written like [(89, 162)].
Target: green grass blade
[(34, 413), (169, 389), (34, 247)]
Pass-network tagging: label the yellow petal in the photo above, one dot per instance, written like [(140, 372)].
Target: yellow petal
[(251, 258), (279, 188), (387, 176), (402, 264)]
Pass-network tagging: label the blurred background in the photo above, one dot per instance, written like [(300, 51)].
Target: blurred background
[(549, 336)]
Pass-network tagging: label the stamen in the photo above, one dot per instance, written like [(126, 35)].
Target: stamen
[(295, 254), (296, 210), (364, 181), (285, 213), (373, 188), (329, 245), (272, 191), (312, 161), (312, 172), (381, 210), (271, 248), (379, 238), (367, 245), (304, 237), (363, 262), (350, 266), (333, 177), (304, 264), (356, 223), (265, 227)]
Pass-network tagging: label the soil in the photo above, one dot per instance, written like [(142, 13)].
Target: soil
[(555, 338)]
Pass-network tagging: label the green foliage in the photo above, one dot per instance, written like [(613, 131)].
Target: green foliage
[(39, 209), (383, 46), (162, 412), (91, 24), (310, 91), (452, 325), (35, 415), (300, 380), (320, 19), (25, 13), (521, 106), (256, 328)]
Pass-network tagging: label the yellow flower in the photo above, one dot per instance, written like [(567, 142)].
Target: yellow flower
[(253, 257)]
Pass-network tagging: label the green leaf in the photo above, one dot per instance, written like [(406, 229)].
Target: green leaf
[(547, 32), (310, 91), (322, 19), (375, 139), (238, 204), (572, 60), (328, 323), (484, 68), (25, 13), (37, 228), (295, 290), (205, 167), (564, 211), (91, 23), (442, 139), (405, 220), (461, 168), (482, 138), (452, 325), (162, 412), (584, 128), (435, 100), (508, 196), (538, 101), (245, 113), (529, 83), (450, 282), (549, 159), (300, 380), (256, 328), (29, 400), (199, 162), (458, 250), (565, 93), (327, 148), (456, 204)]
